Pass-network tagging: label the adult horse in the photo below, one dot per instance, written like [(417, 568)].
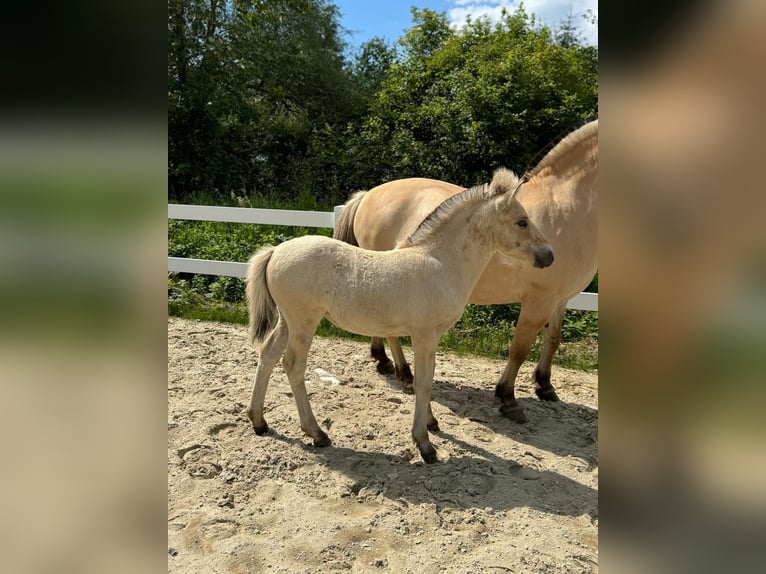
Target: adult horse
[(436, 268), (560, 197)]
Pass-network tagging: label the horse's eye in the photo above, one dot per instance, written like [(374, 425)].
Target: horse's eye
[(522, 224)]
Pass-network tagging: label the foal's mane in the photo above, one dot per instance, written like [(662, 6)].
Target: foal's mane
[(445, 210), (572, 140)]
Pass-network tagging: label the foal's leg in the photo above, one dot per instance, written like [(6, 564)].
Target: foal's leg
[(271, 350), (527, 327), (425, 360), (378, 352), (551, 341), (294, 363), (403, 372)]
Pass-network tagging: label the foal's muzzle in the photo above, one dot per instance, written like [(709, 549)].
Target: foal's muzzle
[(543, 257)]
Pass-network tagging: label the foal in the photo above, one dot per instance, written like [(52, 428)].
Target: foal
[(359, 290)]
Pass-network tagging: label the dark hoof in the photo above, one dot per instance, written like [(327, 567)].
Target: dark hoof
[(261, 430), (322, 440), (548, 394), (405, 375), (386, 367), (514, 412), (434, 426), (408, 389), (429, 454)]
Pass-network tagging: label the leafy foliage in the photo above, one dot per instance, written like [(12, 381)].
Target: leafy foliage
[(264, 99), (457, 104), (249, 84)]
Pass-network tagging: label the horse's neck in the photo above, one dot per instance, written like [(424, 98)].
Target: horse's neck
[(569, 181)]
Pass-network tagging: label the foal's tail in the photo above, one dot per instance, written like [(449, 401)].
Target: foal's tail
[(260, 304), (344, 228)]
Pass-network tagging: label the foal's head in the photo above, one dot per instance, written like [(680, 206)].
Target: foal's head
[(514, 233)]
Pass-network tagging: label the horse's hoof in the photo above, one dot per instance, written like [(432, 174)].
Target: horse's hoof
[(261, 430), (429, 454), (434, 426), (322, 440), (408, 389), (548, 394), (386, 367), (514, 412), (405, 375)]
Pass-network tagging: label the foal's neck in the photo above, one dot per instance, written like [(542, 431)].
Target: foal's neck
[(464, 246)]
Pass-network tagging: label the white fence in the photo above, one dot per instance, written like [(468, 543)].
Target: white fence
[(584, 301)]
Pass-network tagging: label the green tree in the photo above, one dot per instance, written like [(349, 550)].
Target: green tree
[(264, 100), (458, 103), (249, 82)]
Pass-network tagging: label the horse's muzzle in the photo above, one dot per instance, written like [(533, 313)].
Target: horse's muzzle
[(543, 257)]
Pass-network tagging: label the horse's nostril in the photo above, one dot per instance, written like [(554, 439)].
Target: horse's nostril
[(543, 257)]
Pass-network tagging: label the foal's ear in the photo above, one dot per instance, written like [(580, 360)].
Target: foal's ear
[(504, 181)]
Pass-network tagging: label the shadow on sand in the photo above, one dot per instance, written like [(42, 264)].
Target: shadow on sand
[(478, 479)]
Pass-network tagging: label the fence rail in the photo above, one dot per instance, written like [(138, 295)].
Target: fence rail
[(290, 217)]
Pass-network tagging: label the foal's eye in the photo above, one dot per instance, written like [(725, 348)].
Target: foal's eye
[(522, 224)]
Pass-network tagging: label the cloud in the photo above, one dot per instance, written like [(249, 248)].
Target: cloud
[(548, 12)]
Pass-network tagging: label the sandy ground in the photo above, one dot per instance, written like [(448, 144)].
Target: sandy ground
[(502, 498)]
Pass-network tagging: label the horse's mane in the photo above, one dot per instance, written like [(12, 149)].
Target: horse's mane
[(569, 142), (445, 210)]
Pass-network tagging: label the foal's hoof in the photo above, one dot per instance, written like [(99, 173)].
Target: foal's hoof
[(386, 367), (514, 412), (548, 394), (429, 454), (322, 440), (408, 388), (259, 424)]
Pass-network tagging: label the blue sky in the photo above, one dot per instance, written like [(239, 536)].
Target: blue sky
[(388, 18)]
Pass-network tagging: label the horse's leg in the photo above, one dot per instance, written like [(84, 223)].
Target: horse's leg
[(403, 372), (551, 341), (425, 361), (529, 324), (294, 363), (378, 352), (432, 424), (271, 350)]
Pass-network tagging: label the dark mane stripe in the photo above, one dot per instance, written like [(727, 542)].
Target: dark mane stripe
[(569, 142), (444, 211)]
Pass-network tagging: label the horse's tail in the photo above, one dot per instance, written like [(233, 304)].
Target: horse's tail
[(260, 304), (344, 228)]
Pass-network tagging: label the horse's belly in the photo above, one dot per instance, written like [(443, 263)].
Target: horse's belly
[(367, 325)]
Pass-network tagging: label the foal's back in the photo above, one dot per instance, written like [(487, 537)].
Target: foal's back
[(359, 290)]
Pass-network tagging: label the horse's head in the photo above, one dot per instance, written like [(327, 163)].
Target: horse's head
[(515, 234)]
